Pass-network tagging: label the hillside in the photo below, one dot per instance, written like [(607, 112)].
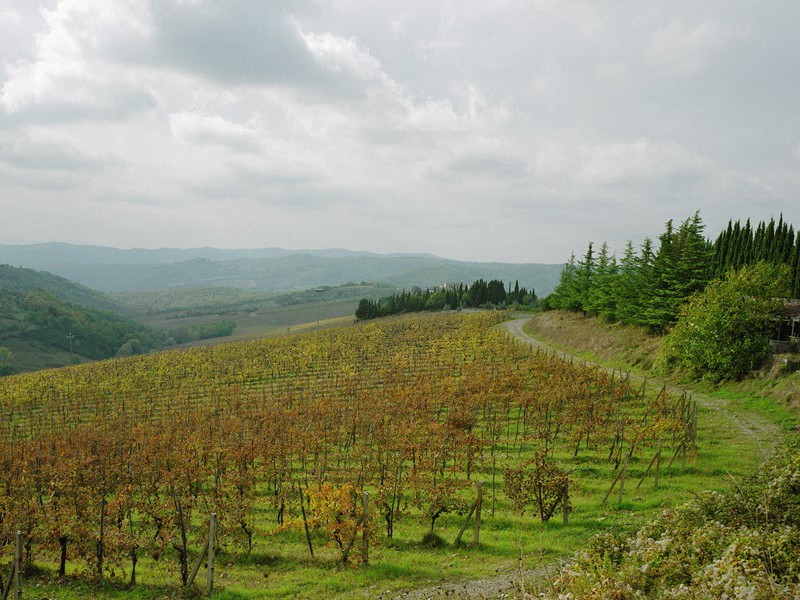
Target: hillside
[(268, 270), (191, 301), (628, 346), (22, 280), (41, 329)]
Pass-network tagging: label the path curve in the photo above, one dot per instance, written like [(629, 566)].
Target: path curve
[(765, 434)]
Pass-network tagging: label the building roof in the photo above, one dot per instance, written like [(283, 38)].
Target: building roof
[(790, 310)]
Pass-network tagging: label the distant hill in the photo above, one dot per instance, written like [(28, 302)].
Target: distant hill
[(191, 302), (14, 279), (264, 270), (56, 252), (42, 330)]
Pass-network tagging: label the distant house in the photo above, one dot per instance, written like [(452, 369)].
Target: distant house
[(787, 328)]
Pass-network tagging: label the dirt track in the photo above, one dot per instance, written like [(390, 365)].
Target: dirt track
[(765, 434)]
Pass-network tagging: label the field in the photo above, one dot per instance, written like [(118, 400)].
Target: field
[(118, 465), (267, 321)]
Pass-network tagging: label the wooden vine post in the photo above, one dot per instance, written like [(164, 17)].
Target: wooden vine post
[(478, 503), (565, 503), (365, 531), (17, 565), (212, 538), (475, 508), (620, 478), (624, 471), (207, 551), (13, 577), (656, 460), (305, 520)]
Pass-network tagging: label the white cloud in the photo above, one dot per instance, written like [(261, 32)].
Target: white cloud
[(344, 55), (691, 46), (432, 118), (642, 162), (195, 128), (70, 73)]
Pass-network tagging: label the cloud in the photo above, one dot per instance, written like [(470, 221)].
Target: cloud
[(499, 166), (642, 162), (194, 128), (690, 47), (412, 123), (49, 157), (237, 42), (69, 76)]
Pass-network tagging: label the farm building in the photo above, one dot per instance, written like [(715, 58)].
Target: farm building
[(787, 328)]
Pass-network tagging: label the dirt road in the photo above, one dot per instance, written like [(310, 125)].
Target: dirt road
[(764, 433)]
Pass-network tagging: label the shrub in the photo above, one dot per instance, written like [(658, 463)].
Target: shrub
[(723, 332)]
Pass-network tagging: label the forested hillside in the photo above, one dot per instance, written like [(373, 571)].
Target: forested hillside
[(16, 279), (224, 300), (40, 330)]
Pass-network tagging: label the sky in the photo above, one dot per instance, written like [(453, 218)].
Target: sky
[(510, 130)]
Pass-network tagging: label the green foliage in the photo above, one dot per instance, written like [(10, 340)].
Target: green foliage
[(189, 302), (15, 279), (201, 331), (741, 245), (722, 333), (480, 294), (6, 356), (47, 321), (645, 290)]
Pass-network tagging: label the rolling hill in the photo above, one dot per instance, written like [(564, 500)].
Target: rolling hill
[(266, 270)]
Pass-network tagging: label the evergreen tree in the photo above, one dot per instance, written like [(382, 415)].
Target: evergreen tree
[(584, 281), (565, 296), (601, 298), (660, 307), (626, 291)]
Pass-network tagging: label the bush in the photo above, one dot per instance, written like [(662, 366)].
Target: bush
[(723, 332), (743, 544)]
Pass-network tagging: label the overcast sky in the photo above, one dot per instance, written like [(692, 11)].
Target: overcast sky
[(494, 130)]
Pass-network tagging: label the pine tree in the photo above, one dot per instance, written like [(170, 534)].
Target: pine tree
[(565, 295), (659, 308), (586, 269), (693, 264), (601, 299)]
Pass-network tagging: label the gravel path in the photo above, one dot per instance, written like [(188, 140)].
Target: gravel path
[(512, 585), (764, 433)]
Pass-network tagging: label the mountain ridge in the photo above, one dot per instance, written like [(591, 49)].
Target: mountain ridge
[(265, 270)]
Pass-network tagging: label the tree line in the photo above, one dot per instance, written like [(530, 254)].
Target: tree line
[(647, 287), (742, 245), (480, 294)]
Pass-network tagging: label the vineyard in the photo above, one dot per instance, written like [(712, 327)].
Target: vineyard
[(113, 470)]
